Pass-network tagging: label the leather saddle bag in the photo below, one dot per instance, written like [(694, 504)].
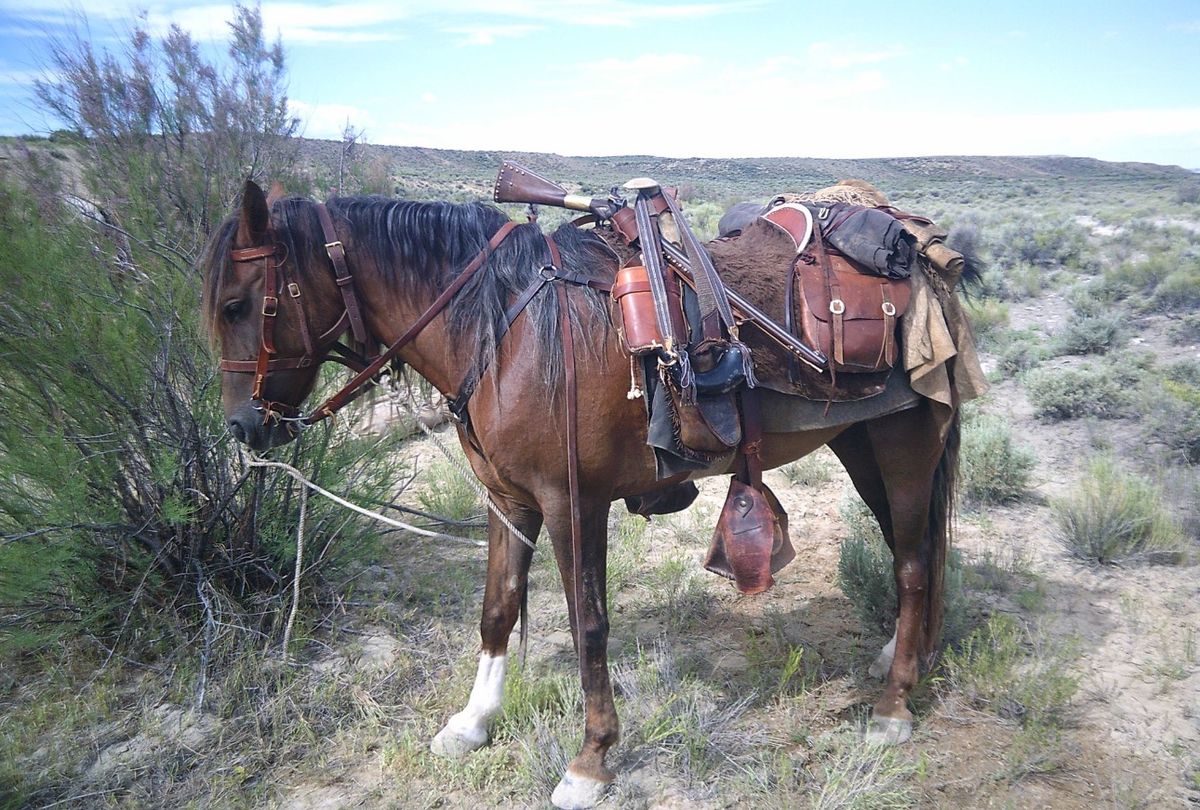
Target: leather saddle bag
[(850, 316)]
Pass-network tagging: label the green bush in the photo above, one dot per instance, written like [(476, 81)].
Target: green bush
[(1172, 417), (992, 470), (1069, 393), (1114, 516), (1021, 350), (1179, 290), (989, 318), (1042, 244), (1185, 330), (996, 668), (1091, 334)]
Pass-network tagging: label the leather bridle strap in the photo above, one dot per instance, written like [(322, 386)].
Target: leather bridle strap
[(341, 272), (348, 392), (572, 394)]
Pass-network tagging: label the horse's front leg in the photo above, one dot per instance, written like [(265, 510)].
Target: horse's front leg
[(504, 594), (587, 776)]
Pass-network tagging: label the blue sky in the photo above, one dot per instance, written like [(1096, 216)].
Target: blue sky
[(726, 78)]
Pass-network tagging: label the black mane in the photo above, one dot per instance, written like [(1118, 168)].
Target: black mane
[(420, 247)]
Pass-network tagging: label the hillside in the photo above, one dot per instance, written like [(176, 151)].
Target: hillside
[(717, 177)]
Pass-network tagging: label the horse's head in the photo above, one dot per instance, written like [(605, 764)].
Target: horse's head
[(263, 311)]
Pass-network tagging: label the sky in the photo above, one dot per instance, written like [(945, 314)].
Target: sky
[(721, 78)]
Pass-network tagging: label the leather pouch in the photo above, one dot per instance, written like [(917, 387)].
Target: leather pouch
[(851, 316), (751, 539)]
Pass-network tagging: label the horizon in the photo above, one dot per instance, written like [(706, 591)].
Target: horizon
[(743, 79)]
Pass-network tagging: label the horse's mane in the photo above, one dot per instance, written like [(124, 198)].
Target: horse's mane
[(419, 247)]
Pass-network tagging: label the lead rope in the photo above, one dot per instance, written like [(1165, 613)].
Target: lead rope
[(459, 467)]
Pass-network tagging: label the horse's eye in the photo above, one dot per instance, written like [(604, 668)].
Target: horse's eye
[(234, 310)]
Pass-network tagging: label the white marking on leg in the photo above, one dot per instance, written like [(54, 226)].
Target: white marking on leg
[(883, 663), (468, 730), (576, 792)]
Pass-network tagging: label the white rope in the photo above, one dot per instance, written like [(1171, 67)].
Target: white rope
[(287, 630), (257, 461), (461, 468)]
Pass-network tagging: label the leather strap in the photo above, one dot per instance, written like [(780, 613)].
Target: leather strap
[(552, 272), (752, 433), (350, 390), (710, 290), (648, 242), (831, 290), (569, 384), (341, 272)]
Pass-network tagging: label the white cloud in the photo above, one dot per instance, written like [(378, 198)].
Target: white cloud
[(488, 34), (843, 57), (329, 121)]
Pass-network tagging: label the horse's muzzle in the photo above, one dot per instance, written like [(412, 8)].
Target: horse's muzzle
[(248, 426)]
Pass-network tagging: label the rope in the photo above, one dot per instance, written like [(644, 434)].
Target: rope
[(287, 630), (257, 461), (461, 468)]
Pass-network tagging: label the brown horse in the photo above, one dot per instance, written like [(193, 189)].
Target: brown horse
[(272, 256)]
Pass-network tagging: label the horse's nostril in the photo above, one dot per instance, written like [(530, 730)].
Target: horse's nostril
[(239, 432)]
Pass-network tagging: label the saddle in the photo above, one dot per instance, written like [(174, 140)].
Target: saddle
[(701, 363)]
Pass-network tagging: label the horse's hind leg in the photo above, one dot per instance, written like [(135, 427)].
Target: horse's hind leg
[(853, 449), (910, 455), (503, 597), (587, 776)]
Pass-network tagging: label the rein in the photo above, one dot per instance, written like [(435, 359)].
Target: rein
[(275, 279)]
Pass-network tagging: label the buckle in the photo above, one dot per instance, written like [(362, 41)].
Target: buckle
[(294, 289), (837, 306), (889, 309), (548, 272), (337, 243), (270, 306)]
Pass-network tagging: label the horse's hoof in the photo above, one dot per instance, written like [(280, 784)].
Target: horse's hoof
[(889, 731), (575, 792), (457, 742)]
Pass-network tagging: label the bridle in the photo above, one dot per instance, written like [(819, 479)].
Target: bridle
[(276, 281)]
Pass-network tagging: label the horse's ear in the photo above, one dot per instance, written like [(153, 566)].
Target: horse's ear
[(256, 215), (276, 192)]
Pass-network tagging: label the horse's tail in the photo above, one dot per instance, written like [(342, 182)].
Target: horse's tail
[(938, 535)]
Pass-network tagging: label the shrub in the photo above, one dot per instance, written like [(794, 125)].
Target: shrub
[(1188, 193), (1041, 244), (992, 469), (124, 500), (121, 493), (1021, 350), (1179, 290), (1068, 393), (1003, 668), (989, 318), (1185, 330), (1091, 334), (1115, 515), (1173, 418), (809, 471)]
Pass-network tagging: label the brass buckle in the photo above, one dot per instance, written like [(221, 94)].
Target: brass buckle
[(837, 306)]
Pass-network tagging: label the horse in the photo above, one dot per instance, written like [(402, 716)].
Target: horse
[(278, 255)]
